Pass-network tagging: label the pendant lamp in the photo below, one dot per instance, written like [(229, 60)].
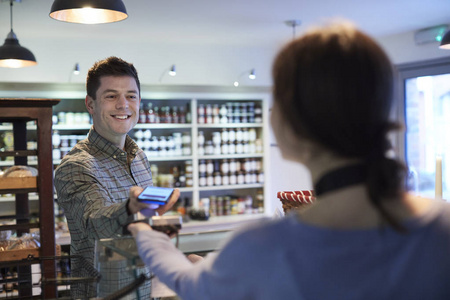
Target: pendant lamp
[(88, 11), (12, 55), (445, 43)]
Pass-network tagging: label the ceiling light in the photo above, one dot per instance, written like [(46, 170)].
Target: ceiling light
[(88, 11), (12, 55), (251, 74), (293, 23), (76, 70), (172, 70), (445, 42)]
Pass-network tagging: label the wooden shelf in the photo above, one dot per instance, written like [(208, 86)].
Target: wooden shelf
[(13, 183)]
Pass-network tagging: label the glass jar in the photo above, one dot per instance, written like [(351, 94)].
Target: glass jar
[(239, 148), (245, 135), (260, 177), (240, 177), (209, 149), (232, 135), (201, 110), (224, 148), (231, 148), (209, 180), (201, 138), (239, 136), (232, 165), (225, 179), (201, 179), (216, 138), (224, 166), (217, 178), (209, 167), (201, 166), (233, 178), (224, 135)]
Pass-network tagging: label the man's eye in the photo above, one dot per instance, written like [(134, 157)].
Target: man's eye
[(132, 97)]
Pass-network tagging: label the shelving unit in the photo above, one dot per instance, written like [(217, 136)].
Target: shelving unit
[(19, 112), (73, 101)]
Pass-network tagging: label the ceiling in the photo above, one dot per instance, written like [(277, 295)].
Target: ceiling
[(210, 41), (256, 22)]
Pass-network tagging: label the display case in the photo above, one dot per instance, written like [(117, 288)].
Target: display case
[(18, 112)]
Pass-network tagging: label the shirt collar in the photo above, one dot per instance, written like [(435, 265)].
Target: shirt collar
[(111, 150)]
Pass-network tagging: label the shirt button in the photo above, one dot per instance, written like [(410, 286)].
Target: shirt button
[(122, 154), (115, 156)]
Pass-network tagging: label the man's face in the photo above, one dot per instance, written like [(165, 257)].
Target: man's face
[(116, 110)]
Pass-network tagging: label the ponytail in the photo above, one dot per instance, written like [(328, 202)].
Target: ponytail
[(385, 178)]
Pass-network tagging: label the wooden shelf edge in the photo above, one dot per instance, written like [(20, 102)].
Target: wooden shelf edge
[(17, 183)]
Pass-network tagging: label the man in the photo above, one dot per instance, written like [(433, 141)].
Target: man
[(98, 181)]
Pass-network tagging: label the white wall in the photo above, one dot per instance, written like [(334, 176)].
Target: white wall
[(401, 48), (213, 64)]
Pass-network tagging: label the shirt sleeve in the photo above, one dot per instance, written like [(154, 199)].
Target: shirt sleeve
[(215, 277), (90, 205)]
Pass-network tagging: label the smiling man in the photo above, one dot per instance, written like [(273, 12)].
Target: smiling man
[(98, 181)]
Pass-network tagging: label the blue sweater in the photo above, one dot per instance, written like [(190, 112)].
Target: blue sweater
[(288, 259)]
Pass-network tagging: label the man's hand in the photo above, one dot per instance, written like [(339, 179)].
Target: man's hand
[(173, 199), (135, 206)]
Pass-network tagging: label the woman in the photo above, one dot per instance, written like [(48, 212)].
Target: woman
[(365, 238)]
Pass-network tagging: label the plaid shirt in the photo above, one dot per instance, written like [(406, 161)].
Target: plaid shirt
[(92, 184)]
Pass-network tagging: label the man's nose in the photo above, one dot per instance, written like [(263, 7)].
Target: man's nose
[(122, 102)]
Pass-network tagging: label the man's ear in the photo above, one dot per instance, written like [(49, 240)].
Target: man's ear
[(89, 102)]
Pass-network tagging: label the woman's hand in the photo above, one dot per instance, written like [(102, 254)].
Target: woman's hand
[(134, 228)]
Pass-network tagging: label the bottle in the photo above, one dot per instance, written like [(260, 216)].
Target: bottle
[(168, 115), (258, 113), (157, 116), (188, 113), (162, 114), (142, 116), (182, 179), (176, 176), (182, 115), (150, 114), (175, 116)]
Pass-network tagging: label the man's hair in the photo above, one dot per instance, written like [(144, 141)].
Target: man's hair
[(111, 66)]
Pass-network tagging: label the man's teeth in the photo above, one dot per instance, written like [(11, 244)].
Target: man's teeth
[(121, 117)]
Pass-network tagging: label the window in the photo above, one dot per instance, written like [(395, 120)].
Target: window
[(425, 109)]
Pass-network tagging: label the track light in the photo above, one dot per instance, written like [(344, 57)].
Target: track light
[(88, 11), (12, 55), (76, 70), (293, 23), (251, 75), (172, 72)]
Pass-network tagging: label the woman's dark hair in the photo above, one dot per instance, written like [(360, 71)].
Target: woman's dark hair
[(334, 86), (111, 66)]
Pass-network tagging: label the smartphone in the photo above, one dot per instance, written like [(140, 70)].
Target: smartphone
[(155, 195)]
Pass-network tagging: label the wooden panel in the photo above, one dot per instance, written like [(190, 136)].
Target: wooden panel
[(19, 254), (8, 183)]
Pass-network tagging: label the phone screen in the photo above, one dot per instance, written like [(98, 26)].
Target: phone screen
[(153, 194)]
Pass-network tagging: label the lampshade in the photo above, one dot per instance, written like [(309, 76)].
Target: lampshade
[(88, 11), (12, 55), (445, 43)]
